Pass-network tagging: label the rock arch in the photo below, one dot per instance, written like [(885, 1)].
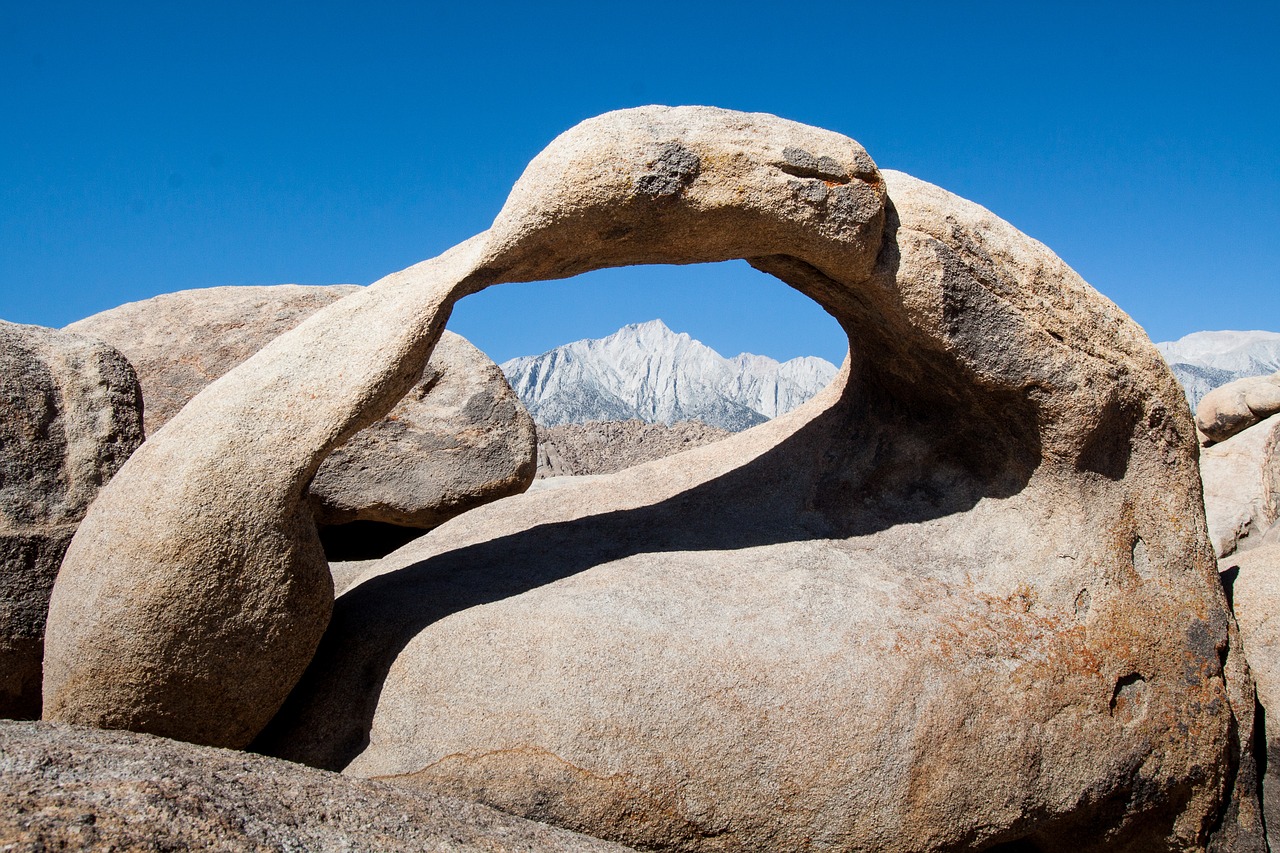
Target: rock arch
[(1002, 438)]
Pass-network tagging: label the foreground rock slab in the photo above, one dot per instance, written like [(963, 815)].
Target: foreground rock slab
[(70, 415), (458, 438), (69, 788)]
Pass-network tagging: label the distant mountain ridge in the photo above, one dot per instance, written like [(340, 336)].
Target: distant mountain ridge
[(1203, 361), (647, 372)]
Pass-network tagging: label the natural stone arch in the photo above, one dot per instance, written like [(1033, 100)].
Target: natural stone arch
[(994, 401)]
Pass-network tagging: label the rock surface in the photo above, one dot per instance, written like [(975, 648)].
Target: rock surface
[(604, 447), (69, 788), (1254, 578), (70, 414), (649, 373), (965, 598), (1237, 406), (1242, 486), (458, 439)]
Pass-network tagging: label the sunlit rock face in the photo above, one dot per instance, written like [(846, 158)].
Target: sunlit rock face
[(457, 439), (963, 598)]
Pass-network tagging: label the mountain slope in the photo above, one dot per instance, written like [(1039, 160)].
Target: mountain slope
[(1204, 360), (647, 372)]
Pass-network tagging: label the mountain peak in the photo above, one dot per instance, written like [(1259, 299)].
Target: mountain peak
[(645, 371)]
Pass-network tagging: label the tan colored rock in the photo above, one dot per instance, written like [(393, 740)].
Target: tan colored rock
[(1238, 405), (1242, 486), (964, 598), (458, 439), (180, 342), (605, 447), (70, 414), (1254, 578), (70, 788)]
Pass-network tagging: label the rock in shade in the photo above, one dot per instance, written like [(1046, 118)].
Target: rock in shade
[(70, 414), (1238, 405), (459, 438), (964, 599), (1242, 486), (1254, 579), (70, 788)]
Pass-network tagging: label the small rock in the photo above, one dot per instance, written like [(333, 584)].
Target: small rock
[(1238, 405)]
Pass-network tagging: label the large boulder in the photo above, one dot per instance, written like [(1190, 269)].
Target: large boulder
[(458, 438), (1242, 486), (70, 414), (1238, 405), (69, 788), (965, 598)]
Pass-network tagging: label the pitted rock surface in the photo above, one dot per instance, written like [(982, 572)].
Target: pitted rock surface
[(458, 439), (1238, 405), (70, 788), (964, 598), (70, 414)]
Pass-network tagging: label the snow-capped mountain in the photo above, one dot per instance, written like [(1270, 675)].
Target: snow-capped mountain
[(1204, 360), (648, 372)]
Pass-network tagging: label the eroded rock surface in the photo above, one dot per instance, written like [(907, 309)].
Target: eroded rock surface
[(458, 438), (1242, 486), (70, 414), (1238, 405), (70, 788), (605, 447)]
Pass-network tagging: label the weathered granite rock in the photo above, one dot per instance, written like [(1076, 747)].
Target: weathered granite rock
[(605, 447), (1242, 486), (70, 788), (964, 598), (1254, 579), (180, 342), (70, 414), (1238, 405), (458, 439)]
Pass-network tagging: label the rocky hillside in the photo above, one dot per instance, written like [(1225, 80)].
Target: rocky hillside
[(649, 373), (1203, 361), (603, 447)]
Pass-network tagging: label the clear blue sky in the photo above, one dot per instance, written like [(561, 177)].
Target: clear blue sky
[(147, 148)]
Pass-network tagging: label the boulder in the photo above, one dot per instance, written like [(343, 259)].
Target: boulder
[(1242, 486), (458, 439), (70, 414), (604, 447), (70, 788), (964, 598), (1238, 405), (1254, 579)]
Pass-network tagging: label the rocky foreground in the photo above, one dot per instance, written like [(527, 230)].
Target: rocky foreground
[(965, 598)]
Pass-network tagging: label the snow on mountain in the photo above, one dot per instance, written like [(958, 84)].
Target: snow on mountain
[(647, 372), (1204, 360)]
